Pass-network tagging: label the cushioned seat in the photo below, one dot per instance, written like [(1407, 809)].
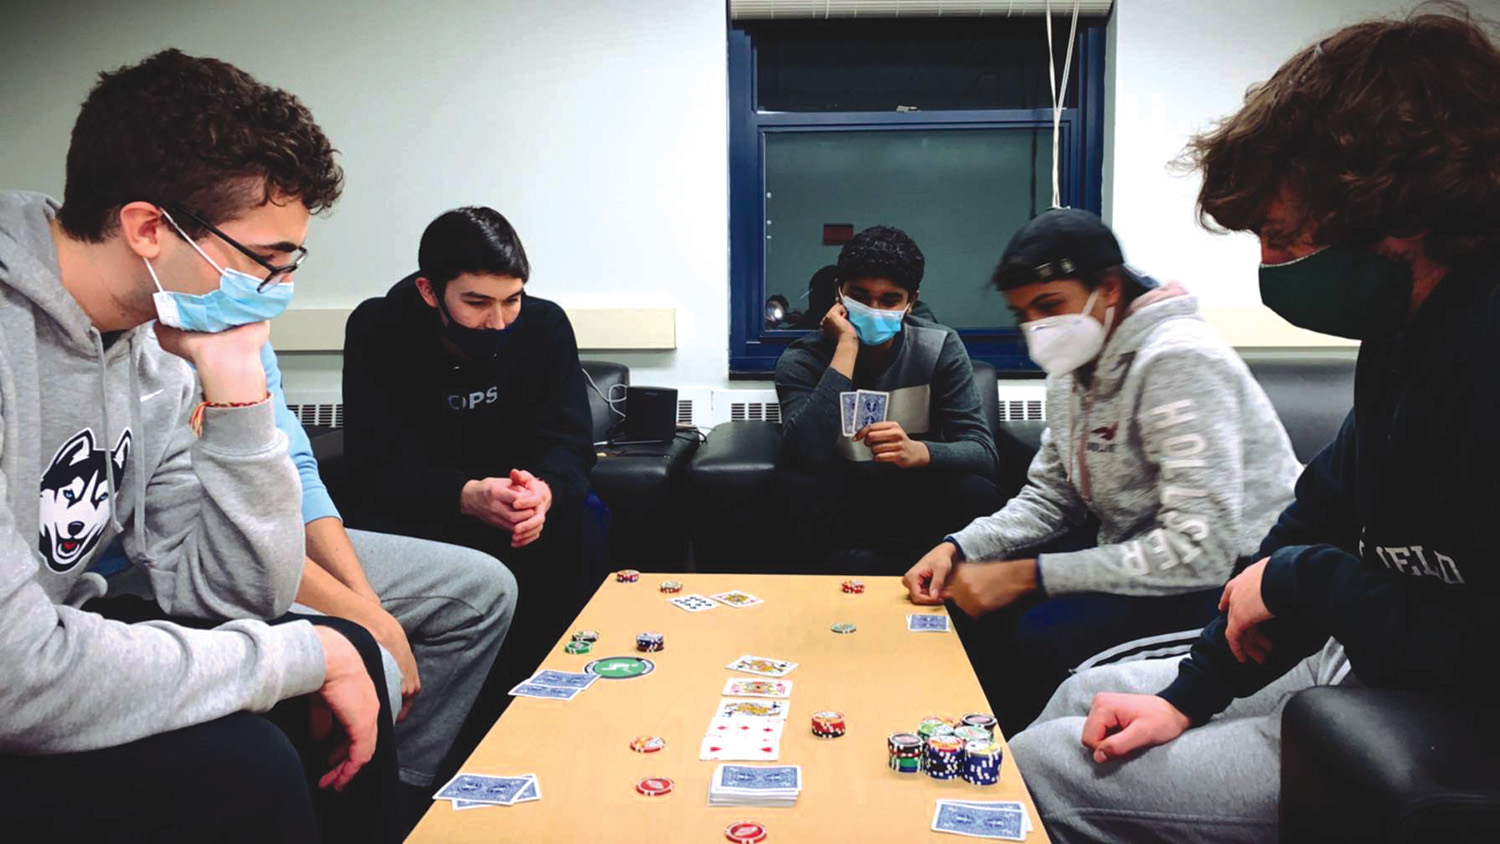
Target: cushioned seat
[(1384, 766), (641, 484)]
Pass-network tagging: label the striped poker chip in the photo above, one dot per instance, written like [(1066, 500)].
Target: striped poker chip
[(843, 627), (745, 832), (671, 586), (576, 647), (589, 636), (647, 744), (654, 786), (650, 642), (853, 587), (627, 575)]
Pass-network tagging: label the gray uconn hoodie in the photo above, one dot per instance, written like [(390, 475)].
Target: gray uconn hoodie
[(1171, 443), (214, 522)]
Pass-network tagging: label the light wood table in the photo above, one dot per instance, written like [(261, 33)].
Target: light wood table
[(882, 677)]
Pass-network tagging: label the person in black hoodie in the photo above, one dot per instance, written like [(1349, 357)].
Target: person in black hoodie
[(466, 421), (1366, 167)]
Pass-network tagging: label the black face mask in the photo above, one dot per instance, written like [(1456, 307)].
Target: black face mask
[(1346, 291), (476, 343)]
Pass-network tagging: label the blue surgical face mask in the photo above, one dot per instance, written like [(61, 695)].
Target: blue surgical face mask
[(237, 301), (873, 325)]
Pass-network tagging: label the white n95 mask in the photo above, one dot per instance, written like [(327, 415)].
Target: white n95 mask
[(1060, 344)]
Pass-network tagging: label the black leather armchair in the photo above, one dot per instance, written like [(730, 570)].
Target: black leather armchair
[(641, 484), (1369, 765)]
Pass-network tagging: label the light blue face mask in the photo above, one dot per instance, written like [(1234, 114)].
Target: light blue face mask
[(873, 325), (237, 301)]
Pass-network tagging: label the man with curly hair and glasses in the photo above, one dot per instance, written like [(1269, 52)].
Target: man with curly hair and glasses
[(133, 396), (867, 498), (1366, 166)]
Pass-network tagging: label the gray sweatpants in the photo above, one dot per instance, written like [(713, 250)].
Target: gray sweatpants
[(455, 605), (1217, 782)]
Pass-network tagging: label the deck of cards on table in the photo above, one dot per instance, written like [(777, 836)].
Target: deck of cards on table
[(476, 791), (1001, 820), (927, 623), (862, 408), (554, 685), (755, 785)]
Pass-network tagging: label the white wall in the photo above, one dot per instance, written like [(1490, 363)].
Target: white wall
[(597, 126), (1177, 66)]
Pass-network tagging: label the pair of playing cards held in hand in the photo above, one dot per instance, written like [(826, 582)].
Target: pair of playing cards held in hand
[(1000, 820), (554, 685), (476, 791), (750, 785), (862, 408), (698, 603)]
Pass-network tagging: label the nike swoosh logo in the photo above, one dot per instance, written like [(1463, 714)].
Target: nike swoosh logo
[(151, 395)]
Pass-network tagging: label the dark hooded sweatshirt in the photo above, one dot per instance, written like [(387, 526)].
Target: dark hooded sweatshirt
[(1387, 547), (419, 423)]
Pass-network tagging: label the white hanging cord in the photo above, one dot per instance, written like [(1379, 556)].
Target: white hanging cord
[(609, 401), (1057, 103)]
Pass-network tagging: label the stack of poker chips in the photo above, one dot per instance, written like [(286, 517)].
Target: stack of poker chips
[(650, 642), (854, 587), (670, 586), (971, 733), (590, 636), (931, 727), (984, 722), (906, 752), (945, 756), (627, 575), (577, 647), (981, 765), (828, 724)]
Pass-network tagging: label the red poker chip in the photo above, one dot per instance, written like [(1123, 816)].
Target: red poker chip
[(745, 832), (654, 786)]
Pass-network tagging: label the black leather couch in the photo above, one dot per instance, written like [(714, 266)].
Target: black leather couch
[(641, 484)]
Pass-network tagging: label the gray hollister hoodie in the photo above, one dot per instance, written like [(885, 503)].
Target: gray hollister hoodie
[(1171, 443), (215, 523)]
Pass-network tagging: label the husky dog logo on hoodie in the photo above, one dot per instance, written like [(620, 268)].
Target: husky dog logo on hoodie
[(75, 498)]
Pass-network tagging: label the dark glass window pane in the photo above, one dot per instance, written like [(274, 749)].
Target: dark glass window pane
[(959, 193), (929, 65)]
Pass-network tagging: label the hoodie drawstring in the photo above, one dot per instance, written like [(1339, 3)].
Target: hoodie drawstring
[(136, 461)]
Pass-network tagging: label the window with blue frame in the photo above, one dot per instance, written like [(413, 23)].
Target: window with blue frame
[(940, 127)]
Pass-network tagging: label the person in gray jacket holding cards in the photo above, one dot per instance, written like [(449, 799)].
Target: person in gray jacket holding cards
[(1156, 430), (871, 483)]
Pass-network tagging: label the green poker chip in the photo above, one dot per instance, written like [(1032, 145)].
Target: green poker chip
[(844, 627), (620, 667), (577, 647)]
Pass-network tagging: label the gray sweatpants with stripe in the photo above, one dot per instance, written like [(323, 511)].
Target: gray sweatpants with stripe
[(1217, 782), (455, 605)]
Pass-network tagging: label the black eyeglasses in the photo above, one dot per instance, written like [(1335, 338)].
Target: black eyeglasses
[(274, 271)]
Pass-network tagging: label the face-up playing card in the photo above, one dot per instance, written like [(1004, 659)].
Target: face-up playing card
[(739, 749), (745, 778), (747, 727), (741, 687), (848, 403), (481, 788), (755, 707), (977, 822), (692, 603), (736, 598), (871, 408), (530, 689), (563, 679), (927, 623), (762, 665)]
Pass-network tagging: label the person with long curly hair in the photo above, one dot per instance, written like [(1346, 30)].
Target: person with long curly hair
[(1367, 167)]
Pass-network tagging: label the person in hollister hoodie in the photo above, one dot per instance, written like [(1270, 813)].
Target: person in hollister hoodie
[(1156, 430)]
